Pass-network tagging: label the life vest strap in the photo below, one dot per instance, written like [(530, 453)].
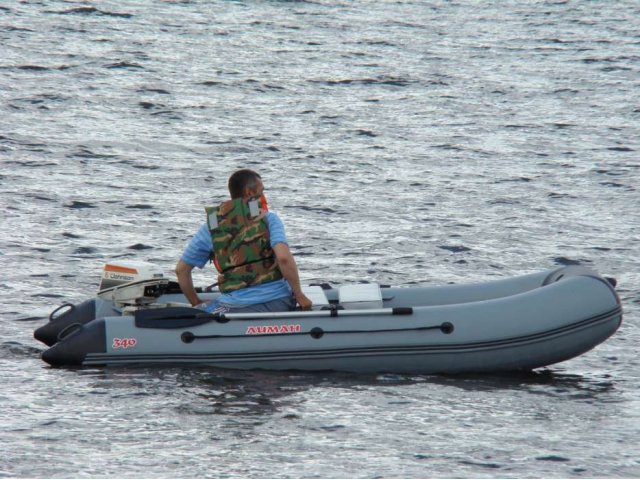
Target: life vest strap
[(272, 257)]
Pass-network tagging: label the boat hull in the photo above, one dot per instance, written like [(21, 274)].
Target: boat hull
[(534, 327)]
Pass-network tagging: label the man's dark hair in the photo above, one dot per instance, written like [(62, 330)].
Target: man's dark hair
[(240, 180)]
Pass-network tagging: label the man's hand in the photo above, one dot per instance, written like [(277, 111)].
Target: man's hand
[(289, 271), (303, 301)]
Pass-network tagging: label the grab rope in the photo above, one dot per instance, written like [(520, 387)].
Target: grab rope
[(317, 332)]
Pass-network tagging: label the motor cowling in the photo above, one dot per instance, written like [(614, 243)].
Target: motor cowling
[(131, 283), (128, 271)]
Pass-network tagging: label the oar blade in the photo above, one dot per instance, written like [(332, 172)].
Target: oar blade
[(171, 317)]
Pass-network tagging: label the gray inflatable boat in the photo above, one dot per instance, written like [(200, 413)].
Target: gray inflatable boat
[(513, 324)]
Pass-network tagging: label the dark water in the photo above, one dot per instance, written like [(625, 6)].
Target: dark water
[(407, 142)]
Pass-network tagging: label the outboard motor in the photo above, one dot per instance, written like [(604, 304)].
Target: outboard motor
[(123, 283), (131, 284)]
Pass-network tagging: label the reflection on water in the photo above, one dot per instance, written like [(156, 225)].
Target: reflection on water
[(545, 381), (212, 391)]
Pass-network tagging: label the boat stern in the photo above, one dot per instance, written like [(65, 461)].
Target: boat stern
[(62, 317), (79, 341)]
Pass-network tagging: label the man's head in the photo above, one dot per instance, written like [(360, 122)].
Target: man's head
[(245, 183)]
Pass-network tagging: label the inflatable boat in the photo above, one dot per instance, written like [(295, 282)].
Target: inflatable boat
[(513, 324)]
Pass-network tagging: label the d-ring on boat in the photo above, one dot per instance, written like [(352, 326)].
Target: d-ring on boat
[(521, 323)]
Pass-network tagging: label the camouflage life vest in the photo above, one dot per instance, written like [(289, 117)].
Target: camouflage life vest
[(242, 252)]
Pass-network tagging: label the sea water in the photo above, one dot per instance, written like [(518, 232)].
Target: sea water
[(403, 142)]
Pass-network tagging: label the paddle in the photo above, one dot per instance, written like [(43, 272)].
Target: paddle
[(171, 317), (332, 312), (170, 313), (182, 317)]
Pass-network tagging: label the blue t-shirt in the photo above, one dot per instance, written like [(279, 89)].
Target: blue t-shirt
[(198, 253)]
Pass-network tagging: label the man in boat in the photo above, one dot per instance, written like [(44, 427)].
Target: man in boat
[(248, 246)]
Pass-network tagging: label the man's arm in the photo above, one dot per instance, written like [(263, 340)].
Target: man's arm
[(289, 270), (183, 272)]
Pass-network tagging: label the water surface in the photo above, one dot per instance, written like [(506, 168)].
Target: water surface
[(401, 142)]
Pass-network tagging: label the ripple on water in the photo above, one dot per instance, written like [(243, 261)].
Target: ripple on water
[(91, 11)]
